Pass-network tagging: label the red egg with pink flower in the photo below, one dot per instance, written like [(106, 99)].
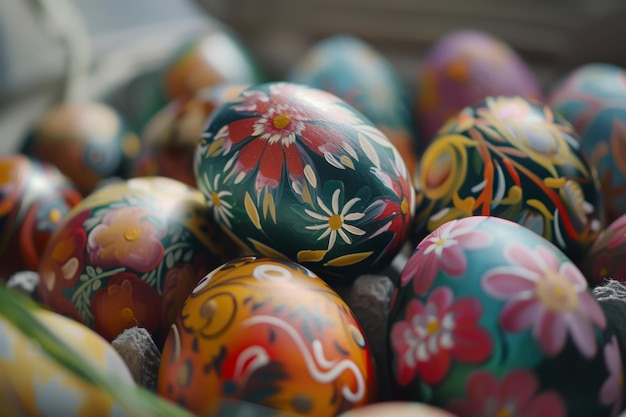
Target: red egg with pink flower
[(129, 255), (490, 318)]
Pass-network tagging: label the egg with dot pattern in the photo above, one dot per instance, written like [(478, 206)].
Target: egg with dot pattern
[(270, 332)]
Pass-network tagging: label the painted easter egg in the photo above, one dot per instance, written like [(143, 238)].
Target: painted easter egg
[(207, 60), (606, 259), (34, 198), (397, 409), (294, 172), (490, 318), (354, 71), (593, 99), (269, 332), (129, 255), (463, 68), (33, 383), (172, 135), (53, 366), (510, 158), (87, 141)]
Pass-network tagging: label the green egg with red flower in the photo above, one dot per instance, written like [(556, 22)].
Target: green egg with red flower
[(294, 172), (490, 318), (129, 255)]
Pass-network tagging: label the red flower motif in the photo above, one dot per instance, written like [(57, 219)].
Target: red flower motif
[(125, 302), (436, 332), (279, 128), (515, 396)]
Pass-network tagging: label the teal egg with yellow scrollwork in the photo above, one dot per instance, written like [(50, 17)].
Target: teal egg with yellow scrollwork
[(514, 159), (297, 173)]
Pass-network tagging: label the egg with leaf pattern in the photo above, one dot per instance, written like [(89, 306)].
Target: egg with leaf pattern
[(295, 172), (129, 254)]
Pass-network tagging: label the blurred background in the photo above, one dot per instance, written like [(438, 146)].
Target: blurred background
[(54, 49)]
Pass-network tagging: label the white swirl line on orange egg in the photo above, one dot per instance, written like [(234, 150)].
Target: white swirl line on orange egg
[(333, 370), (254, 356), (272, 273)]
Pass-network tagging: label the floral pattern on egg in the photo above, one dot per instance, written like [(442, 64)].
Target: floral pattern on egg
[(129, 254), (510, 158), (484, 307), (294, 172), (605, 259)]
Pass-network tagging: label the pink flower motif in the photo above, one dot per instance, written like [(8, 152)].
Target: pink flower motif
[(444, 249), (612, 390), (125, 237), (546, 295), (515, 396), (434, 333)]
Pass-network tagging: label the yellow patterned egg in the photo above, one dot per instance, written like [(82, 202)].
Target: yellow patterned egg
[(32, 383), (270, 332)]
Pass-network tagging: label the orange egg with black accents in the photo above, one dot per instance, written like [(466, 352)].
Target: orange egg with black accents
[(269, 332)]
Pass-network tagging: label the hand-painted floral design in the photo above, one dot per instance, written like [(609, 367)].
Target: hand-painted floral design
[(444, 249), (612, 391), (281, 125), (125, 302), (436, 332), (218, 199), (515, 395), (547, 295), (127, 237), (335, 220), (50, 214)]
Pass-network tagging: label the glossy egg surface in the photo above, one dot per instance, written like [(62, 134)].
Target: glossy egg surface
[(129, 255), (269, 332), (593, 99), (510, 158), (490, 318), (34, 199), (294, 172)]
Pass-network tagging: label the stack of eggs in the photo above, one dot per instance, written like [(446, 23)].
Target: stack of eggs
[(246, 209)]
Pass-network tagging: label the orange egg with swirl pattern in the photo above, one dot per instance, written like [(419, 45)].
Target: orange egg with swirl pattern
[(269, 332)]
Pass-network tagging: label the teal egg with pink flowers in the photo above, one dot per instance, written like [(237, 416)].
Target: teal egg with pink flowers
[(492, 319), (294, 172), (593, 98)]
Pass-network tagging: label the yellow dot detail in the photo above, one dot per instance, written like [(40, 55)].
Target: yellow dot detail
[(440, 242), (55, 215), (216, 199), (127, 316), (404, 206), (281, 121), (132, 234), (432, 327), (335, 222)]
